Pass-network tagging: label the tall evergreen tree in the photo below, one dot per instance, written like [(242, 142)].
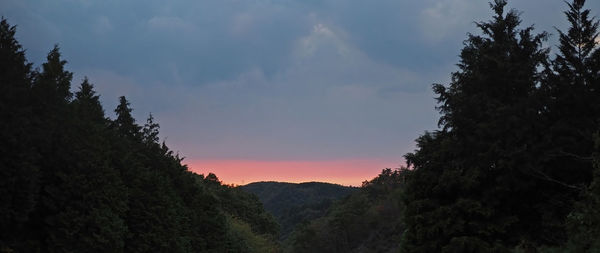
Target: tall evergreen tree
[(572, 110), (576, 48), (50, 107), (150, 131), (125, 123), (92, 199), (155, 212), (19, 173), (569, 114), (87, 105), (50, 98), (72, 180), (461, 196), (53, 85)]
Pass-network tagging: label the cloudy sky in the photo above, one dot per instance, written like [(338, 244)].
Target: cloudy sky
[(287, 90)]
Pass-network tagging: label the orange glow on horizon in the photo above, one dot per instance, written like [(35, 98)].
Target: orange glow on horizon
[(240, 172)]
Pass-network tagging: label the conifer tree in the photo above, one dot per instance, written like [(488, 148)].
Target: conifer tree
[(568, 118), (570, 115), (52, 86), (50, 118), (19, 173), (150, 131), (576, 47), (72, 180), (155, 212), (125, 123), (461, 196), (91, 212), (87, 104), (50, 98), (571, 95), (571, 108)]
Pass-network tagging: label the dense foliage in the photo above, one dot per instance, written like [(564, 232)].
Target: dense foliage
[(73, 180), (366, 221), (514, 150), (513, 167), (292, 204)]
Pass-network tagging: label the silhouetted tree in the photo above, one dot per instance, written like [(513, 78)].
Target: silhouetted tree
[(461, 196), (91, 216), (125, 123), (19, 172), (73, 180), (51, 118), (150, 131), (568, 119)]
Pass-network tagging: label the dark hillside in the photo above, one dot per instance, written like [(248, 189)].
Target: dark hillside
[(74, 180), (292, 203), (368, 220)]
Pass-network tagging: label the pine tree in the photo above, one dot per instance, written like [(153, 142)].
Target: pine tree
[(155, 212), (52, 86), (19, 173), (93, 199), (87, 105), (150, 131), (571, 108), (125, 123), (571, 89), (461, 196), (50, 120), (576, 47), (50, 98), (570, 116), (72, 180)]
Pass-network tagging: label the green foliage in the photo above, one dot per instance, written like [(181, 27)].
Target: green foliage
[(83, 198), (511, 169), (513, 152), (246, 207), (584, 221), (244, 239), (569, 117), (73, 180), (19, 173), (125, 123), (53, 85), (367, 220), (461, 194), (293, 204)]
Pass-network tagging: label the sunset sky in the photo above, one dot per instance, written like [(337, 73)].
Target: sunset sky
[(281, 90)]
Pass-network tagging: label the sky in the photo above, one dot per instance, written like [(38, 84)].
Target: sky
[(270, 90)]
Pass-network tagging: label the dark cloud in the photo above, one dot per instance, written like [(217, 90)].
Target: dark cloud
[(268, 79)]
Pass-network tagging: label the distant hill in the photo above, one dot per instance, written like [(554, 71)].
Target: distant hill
[(292, 204), (368, 220)]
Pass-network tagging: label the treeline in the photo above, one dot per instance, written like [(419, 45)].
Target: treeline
[(514, 166), (292, 204), (73, 180), (368, 220), (515, 150)]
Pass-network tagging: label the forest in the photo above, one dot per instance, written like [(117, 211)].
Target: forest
[(514, 165), (74, 180), (293, 204)]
